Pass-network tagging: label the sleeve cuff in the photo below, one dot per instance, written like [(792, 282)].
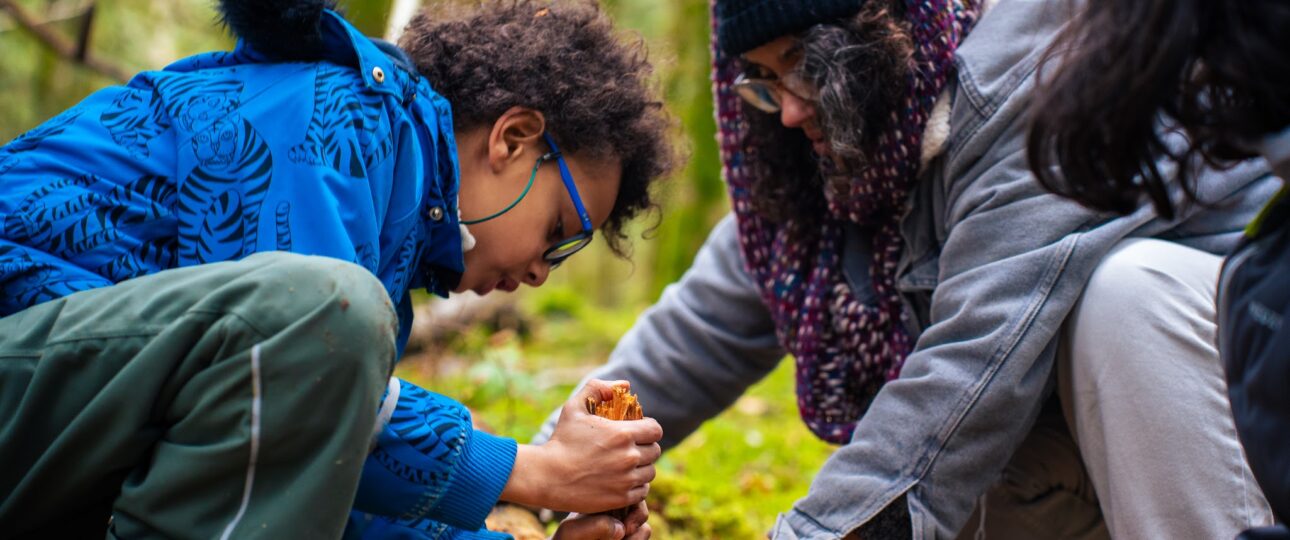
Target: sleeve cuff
[(485, 467), (363, 526), (482, 534)]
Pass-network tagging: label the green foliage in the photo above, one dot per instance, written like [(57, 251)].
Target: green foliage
[(369, 16), (698, 197), (570, 326), (38, 85)]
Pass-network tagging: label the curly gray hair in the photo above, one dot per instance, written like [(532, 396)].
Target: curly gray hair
[(859, 67)]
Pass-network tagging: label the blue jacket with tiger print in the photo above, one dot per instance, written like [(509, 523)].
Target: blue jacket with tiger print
[(217, 156), (349, 154)]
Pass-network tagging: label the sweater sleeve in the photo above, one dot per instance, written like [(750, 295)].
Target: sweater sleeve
[(430, 463), (700, 347), (364, 526)]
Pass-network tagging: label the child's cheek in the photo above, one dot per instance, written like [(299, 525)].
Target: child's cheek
[(472, 266)]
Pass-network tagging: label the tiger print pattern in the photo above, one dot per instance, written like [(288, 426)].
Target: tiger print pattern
[(12, 152), (140, 260), (71, 216), (340, 112), (408, 253), (134, 119), (31, 282), (195, 103), (282, 223), (80, 217), (220, 200), (365, 256), (436, 427)]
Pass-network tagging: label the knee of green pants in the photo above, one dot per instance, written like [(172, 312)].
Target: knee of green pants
[(339, 304), (348, 303)]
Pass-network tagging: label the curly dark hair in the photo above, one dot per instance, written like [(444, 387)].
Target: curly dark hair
[(858, 65), (564, 59), (1218, 70)]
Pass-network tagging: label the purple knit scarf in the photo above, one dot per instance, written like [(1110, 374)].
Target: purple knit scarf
[(845, 349)]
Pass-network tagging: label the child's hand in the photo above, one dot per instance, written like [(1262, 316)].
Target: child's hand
[(604, 527), (590, 464), (635, 521)]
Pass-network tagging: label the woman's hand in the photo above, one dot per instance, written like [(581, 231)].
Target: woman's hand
[(590, 464), (603, 527)]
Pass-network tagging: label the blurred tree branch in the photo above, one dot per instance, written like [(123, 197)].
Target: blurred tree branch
[(371, 17), (401, 13), (74, 52)]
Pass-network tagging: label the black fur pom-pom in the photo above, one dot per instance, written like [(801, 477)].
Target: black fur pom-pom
[(281, 29)]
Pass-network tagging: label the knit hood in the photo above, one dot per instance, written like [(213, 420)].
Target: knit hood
[(845, 346)]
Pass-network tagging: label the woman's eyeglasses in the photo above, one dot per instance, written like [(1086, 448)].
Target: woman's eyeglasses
[(767, 94)]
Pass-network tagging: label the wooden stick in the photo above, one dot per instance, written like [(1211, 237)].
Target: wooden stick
[(623, 406)]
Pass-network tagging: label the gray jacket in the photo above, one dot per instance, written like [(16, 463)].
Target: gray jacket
[(993, 263)]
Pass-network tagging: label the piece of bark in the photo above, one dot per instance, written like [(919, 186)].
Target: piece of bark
[(623, 406), (515, 521)]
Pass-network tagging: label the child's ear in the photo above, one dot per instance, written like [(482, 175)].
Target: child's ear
[(515, 130)]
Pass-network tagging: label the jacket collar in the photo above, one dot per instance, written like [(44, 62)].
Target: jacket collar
[(345, 45), (442, 261)]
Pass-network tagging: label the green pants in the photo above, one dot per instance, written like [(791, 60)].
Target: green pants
[(230, 400)]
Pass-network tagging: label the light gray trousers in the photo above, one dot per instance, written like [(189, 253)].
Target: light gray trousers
[(1142, 444)]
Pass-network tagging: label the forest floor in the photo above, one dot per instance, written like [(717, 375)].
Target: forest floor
[(521, 361)]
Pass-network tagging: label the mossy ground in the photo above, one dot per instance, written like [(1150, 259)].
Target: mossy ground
[(728, 480)]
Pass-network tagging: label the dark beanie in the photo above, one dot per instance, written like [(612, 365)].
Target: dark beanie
[(743, 25)]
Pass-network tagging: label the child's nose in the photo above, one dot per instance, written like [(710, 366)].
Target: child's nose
[(537, 273)]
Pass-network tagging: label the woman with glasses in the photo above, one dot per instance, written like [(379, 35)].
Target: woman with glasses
[(206, 277), (970, 340)]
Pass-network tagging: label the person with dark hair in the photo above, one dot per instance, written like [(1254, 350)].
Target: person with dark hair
[(207, 277), (971, 340), (1220, 71)]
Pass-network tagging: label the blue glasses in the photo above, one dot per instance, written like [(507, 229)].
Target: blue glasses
[(558, 252)]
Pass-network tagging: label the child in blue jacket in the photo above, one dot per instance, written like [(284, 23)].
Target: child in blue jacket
[(206, 276)]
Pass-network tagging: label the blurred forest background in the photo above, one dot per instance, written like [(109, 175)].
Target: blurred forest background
[(512, 358)]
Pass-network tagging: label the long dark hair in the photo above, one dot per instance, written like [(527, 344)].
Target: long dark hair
[(858, 66), (1220, 70)]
